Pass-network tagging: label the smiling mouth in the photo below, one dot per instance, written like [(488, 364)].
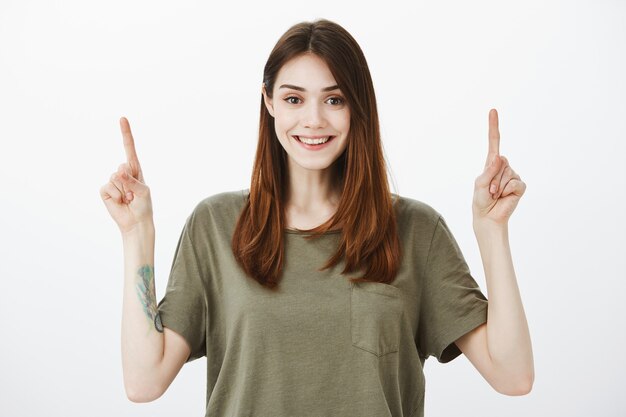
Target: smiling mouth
[(319, 141)]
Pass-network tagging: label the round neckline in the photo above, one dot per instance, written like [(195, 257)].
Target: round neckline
[(246, 192), (301, 232)]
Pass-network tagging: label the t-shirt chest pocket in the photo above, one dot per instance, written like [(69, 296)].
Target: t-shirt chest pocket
[(375, 317)]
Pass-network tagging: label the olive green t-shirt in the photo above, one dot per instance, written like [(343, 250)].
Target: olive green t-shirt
[(321, 346)]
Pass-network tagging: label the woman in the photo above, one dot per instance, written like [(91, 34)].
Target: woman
[(317, 291)]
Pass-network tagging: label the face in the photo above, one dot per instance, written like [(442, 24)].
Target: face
[(305, 106)]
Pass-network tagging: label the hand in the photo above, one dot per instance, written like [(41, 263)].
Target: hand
[(498, 189), (126, 196)]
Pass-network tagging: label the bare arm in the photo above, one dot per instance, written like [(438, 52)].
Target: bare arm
[(151, 355), (501, 349)]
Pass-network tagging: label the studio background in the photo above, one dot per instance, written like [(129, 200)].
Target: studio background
[(188, 77)]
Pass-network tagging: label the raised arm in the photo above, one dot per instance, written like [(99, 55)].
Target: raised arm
[(151, 355), (501, 349)]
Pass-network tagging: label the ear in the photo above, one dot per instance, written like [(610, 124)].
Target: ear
[(267, 100)]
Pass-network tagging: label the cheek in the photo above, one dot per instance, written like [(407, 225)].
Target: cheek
[(343, 121), (283, 120), (279, 123)]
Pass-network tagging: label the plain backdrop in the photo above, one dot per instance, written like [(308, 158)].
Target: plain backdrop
[(188, 77)]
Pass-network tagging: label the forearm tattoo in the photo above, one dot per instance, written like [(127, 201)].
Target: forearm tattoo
[(147, 296)]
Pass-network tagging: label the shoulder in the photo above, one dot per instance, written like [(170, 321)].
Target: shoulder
[(219, 209), (225, 200), (415, 213)]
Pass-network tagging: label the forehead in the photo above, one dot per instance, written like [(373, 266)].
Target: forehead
[(308, 71)]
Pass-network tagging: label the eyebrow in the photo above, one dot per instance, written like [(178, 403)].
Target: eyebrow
[(295, 87)]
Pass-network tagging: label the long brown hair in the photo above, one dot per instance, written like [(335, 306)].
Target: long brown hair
[(369, 236)]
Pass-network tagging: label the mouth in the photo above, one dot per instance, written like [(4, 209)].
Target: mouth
[(313, 141)]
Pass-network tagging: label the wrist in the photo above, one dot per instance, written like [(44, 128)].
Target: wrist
[(483, 227), (139, 231)]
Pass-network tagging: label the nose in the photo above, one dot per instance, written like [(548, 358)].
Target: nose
[(313, 116)]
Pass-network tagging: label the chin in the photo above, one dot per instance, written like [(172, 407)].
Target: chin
[(313, 165)]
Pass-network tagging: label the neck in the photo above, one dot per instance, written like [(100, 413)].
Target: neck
[(312, 196)]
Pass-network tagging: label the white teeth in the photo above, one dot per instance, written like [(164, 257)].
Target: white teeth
[(313, 141)]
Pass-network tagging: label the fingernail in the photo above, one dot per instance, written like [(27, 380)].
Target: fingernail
[(492, 189)]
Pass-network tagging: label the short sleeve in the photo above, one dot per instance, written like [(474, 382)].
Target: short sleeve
[(451, 303), (183, 308)]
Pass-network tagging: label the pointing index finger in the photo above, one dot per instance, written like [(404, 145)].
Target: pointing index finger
[(129, 146), (494, 135)]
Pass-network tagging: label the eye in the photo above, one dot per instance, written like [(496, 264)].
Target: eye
[(289, 98), (341, 101)]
